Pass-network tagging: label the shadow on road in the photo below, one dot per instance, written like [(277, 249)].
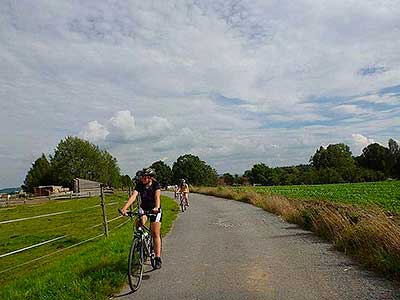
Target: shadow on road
[(121, 295), (145, 276)]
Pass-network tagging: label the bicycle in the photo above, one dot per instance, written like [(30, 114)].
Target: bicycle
[(183, 202), (141, 249)]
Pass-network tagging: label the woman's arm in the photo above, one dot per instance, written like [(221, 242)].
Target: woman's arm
[(131, 199), (158, 201)]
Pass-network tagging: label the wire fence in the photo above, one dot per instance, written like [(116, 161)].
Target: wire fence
[(105, 224), (39, 199), (54, 214)]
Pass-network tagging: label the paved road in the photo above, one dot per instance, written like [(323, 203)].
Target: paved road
[(223, 249)]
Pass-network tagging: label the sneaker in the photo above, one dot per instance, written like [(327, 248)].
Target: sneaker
[(158, 263)]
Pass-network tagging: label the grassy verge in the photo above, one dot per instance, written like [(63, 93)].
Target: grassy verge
[(369, 234), (92, 271)]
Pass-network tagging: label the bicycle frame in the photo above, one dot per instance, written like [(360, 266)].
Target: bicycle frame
[(142, 232)]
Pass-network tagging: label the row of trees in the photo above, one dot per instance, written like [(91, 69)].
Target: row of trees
[(74, 157), (333, 164), (77, 158), (189, 167)]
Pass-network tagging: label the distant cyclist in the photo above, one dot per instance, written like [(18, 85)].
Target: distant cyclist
[(176, 191), (184, 190), (150, 191)]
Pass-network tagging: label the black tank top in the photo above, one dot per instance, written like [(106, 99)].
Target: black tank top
[(148, 194)]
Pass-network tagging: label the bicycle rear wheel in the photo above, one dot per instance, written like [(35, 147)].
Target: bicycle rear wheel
[(135, 265)]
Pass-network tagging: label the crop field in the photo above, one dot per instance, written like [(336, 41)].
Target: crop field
[(101, 261), (385, 194)]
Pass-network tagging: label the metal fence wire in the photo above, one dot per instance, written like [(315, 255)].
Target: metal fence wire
[(105, 223)]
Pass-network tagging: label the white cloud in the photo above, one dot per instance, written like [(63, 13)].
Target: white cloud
[(94, 132), (144, 71), (158, 126), (121, 126), (350, 109)]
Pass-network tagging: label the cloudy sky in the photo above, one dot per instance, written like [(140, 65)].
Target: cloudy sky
[(235, 82)]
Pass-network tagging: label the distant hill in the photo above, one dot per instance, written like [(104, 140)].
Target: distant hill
[(9, 190)]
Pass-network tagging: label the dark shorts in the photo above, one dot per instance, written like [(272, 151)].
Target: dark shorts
[(153, 217)]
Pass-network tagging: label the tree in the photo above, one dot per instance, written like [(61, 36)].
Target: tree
[(394, 150), (163, 173), (337, 157), (228, 179), (329, 175), (109, 171), (376, 157), (194, 170), (39, 174), (74, 157), (260, 174), (126, 181)]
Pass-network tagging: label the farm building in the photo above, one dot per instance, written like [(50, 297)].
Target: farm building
[(86, 186), (48, 190), (5, 196)]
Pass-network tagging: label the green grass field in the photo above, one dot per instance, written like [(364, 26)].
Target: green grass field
[(93, 270), (385, 194)]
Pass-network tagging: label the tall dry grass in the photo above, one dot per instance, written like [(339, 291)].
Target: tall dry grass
[(369, 234)]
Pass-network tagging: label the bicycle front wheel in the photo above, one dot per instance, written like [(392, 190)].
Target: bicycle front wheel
[(135, 265)]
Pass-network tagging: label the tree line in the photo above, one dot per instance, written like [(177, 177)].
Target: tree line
[(77, 158), (189, 167), (332, 164)]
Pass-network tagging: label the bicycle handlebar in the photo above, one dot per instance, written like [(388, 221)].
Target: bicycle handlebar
[(131, 214)]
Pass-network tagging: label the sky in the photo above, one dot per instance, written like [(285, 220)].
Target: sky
[(234, 82)]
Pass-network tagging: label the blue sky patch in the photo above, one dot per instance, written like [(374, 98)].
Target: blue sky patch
[(371, 71), (390, 90), (226, 101)]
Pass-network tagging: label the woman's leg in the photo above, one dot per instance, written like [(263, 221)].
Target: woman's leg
[(187, 198), (156, 231)]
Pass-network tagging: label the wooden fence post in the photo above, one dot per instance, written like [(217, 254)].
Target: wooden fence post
[(103, 208)]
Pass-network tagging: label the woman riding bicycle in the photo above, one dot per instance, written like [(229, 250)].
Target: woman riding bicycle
[(184, 190), (150, 191)]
